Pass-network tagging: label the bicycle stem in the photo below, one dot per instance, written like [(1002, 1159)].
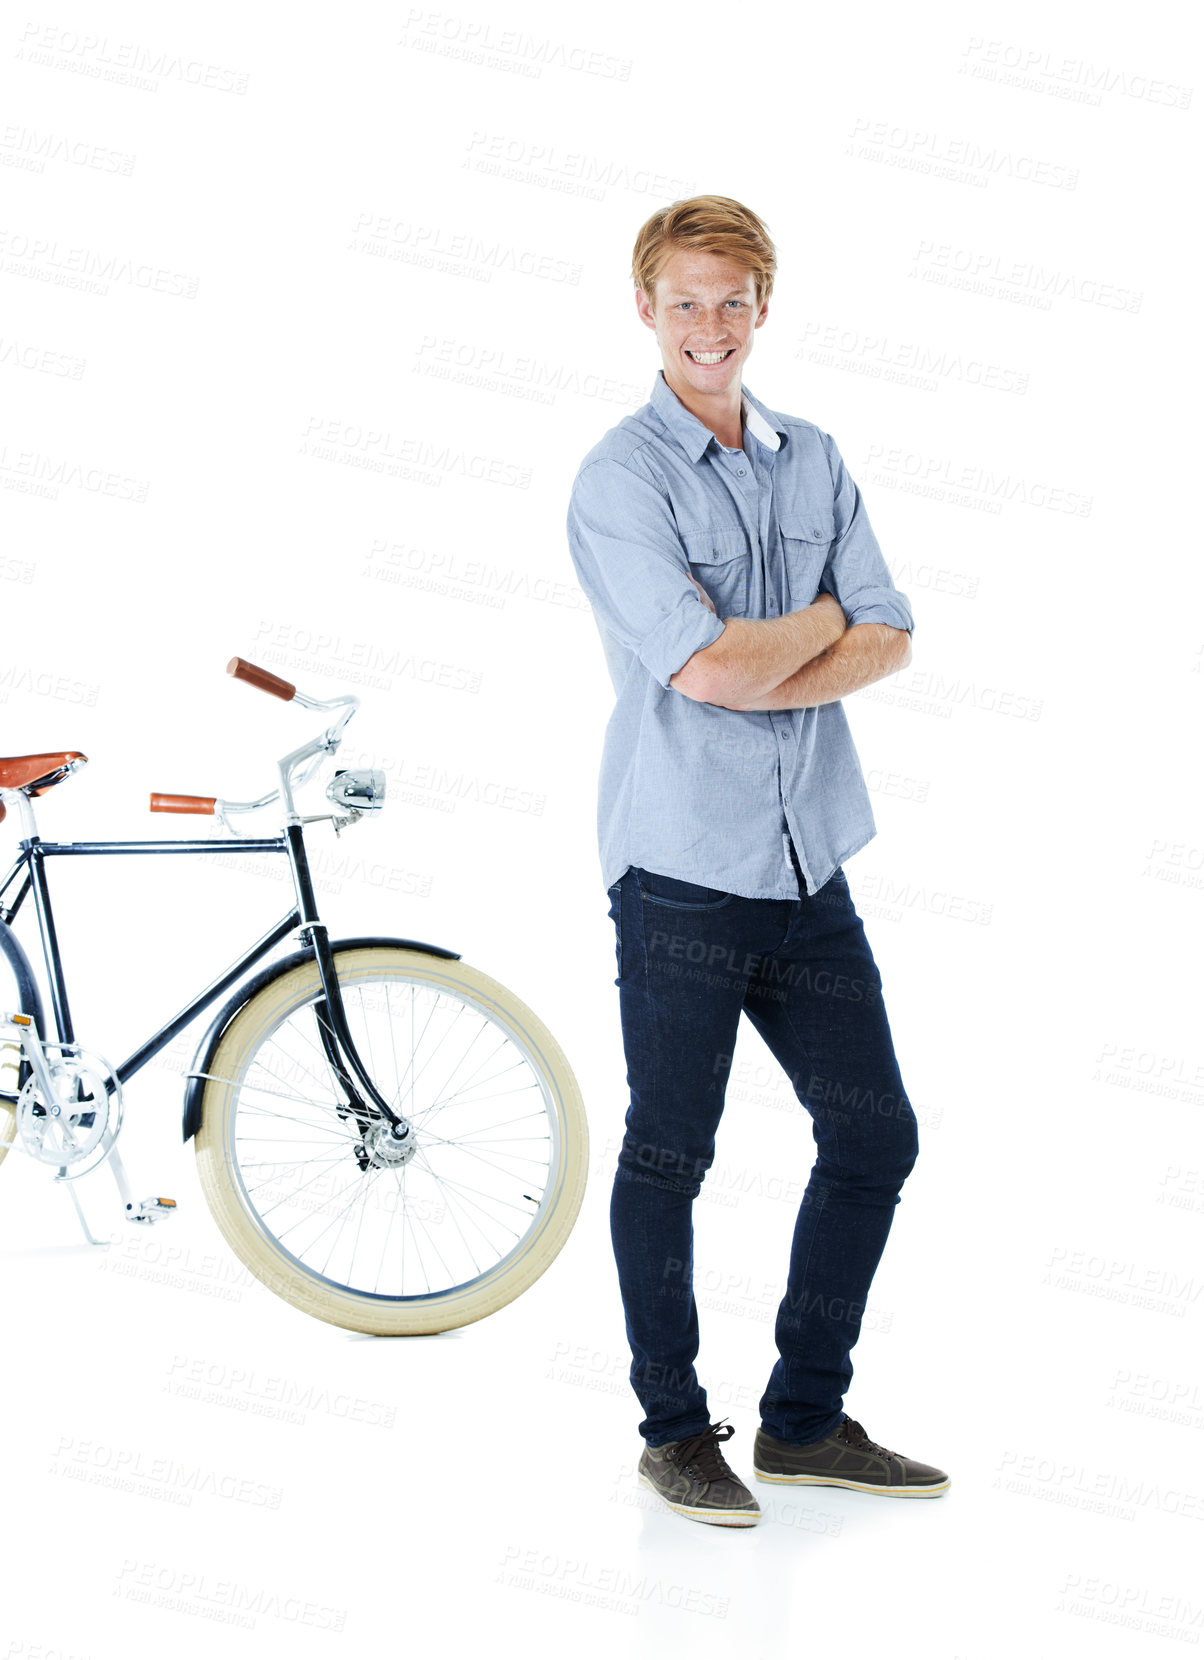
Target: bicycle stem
[(325, 744)]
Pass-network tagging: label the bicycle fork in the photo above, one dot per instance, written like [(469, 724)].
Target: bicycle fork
[(334, 1032)]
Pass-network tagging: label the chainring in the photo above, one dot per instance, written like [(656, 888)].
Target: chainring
[(77, 1128)]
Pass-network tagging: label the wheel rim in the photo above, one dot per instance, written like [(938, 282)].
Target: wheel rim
[(341, 1205)]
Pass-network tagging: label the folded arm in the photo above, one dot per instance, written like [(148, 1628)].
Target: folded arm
[(753, 660), (629, 556), (865, 652)]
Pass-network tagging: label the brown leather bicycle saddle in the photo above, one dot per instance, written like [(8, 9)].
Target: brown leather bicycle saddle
[(38, 773)]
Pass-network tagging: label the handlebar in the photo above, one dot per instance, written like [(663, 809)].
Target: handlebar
[(313, 752), (264, 679), (182, 803)]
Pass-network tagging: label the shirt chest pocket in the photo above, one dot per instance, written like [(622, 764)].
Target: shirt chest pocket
[(721, 564), (806, 539)]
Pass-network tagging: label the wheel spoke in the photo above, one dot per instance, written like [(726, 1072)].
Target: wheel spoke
[(275, 1094), (456, 1099), (463, 1187), (476, 1101), (460, 1146), (289, 1198), (287, 1164)]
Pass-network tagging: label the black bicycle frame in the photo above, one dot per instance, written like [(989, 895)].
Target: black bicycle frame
[(333, 1030)]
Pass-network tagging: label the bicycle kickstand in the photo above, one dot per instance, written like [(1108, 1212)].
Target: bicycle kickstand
[(79, 1209)]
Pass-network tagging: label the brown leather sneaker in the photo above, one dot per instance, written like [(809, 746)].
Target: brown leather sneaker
[(693, 1478), (846, 1458)]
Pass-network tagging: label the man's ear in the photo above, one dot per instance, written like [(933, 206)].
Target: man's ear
[(644, 308), (763, 313)]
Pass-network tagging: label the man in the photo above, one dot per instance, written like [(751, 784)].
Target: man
[(740, 594)]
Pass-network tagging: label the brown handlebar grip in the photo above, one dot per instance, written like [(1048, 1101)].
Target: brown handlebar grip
[(263, 678), (182, 803)]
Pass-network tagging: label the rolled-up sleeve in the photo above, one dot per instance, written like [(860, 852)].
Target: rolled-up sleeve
[(855, 572), (632, 567)]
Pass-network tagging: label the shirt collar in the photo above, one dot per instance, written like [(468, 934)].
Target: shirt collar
[(694, 437)]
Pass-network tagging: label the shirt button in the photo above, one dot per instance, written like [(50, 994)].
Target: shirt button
[(739, 472)]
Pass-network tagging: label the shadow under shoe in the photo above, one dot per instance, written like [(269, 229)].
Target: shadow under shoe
[(846, 1458), (694, 1479)]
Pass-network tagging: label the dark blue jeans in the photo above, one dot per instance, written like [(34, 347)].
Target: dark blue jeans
[(691, 960)]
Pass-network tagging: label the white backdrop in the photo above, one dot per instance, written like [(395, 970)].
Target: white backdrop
[(308, 317)]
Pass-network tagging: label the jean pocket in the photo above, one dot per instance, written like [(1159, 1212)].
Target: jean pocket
[(678, 895)]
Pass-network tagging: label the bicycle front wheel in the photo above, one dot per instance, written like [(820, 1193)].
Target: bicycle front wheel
[(325, 1209)]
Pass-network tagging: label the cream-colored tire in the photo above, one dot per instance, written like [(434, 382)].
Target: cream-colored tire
[(338, 1227)]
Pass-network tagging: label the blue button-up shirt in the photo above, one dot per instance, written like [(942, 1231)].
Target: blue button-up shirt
[(689, 789)]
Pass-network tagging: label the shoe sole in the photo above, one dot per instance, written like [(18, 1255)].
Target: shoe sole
[(718, 1518), (930, 1492)]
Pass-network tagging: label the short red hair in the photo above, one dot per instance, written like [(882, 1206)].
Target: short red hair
[(713, 225)]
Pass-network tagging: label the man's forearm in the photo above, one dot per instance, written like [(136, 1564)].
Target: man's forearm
[(754, 658), (864, 653)]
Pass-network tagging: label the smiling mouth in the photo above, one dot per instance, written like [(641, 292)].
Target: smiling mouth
[(707, 359)]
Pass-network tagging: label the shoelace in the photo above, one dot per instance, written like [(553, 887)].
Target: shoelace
[(852, 1432), (699, 1455)]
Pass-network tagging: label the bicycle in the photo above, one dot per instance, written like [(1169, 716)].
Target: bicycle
[(387, 1138)]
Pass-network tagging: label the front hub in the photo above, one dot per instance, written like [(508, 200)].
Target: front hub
[(385, 1150)]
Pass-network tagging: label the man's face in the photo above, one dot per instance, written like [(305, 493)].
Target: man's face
[(704, 311)]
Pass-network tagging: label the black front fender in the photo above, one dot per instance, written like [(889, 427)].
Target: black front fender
[(207, 1048)]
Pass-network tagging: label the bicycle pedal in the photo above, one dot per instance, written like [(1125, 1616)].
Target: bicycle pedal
[(149, 1209)]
